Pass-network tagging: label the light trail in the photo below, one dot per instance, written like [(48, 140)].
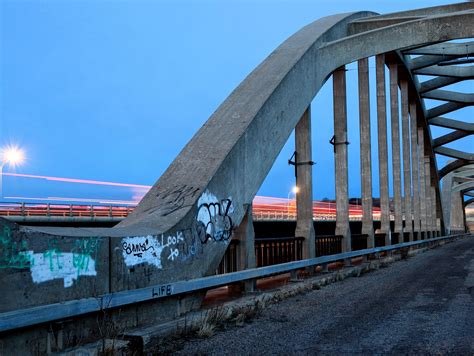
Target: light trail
[(75, 180), (82, 200)]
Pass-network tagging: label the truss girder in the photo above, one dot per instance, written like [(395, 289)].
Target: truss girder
[(450, 152), (452, 124), (448, 71), (452, 136), (451, 96), (444, 49)]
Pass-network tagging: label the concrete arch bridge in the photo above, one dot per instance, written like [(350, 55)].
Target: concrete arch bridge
[(181, 229)]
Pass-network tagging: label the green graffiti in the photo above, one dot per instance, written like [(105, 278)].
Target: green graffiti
[(53, 255), (82, 253), (13, 254)]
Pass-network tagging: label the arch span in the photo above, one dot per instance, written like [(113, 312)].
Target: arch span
[(201, 198)]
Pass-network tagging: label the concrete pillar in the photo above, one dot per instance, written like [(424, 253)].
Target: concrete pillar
[(414, 170), (406, 160), (304, 182), (340, 157), (423, 202), (365, 151), (429, 204), (245, 234), (434, 201), (446, 194), (396, 166), (382, 147), (457, 212)]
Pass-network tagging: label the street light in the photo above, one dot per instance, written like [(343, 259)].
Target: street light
[(293, 190), (13, 156)]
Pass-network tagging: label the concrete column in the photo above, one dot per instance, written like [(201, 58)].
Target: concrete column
[(429, 204), (457, 212), (245, 234), (414, 171), (434, 202), (446, 194), (365, 152), (383, 148), (304, 182), (423, 202), (406, 160), (340, 157), (396, 166)]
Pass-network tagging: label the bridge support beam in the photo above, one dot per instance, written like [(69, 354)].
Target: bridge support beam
[(365, 151), (341, 158), (382, 148), (429, 196), (423, 195), (304, 182), (407, 206), (396, 165), (447, 184), (415, 170), (246, 236), (457, 212)]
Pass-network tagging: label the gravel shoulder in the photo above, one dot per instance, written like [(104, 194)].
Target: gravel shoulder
[(422, 305)]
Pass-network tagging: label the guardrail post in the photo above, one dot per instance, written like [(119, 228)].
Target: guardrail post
[(48, 209), (246, 237), (304, 183), (340, 157)]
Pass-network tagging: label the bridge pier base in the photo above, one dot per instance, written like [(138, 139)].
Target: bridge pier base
[(246, 236)]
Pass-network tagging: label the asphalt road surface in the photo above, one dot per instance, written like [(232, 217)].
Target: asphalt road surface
[(423, 305)]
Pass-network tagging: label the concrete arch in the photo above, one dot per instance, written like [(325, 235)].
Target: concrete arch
[(464, 187), (469, 201), (452, 166), (283, 101), (202, 195)]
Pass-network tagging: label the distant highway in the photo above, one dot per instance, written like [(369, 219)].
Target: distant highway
[(264, 208)]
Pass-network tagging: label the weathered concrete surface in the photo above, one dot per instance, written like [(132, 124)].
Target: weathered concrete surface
[(304, 184), (382, 147), (396, 160), (420, 306), (407, 191), (365, 151), (341, 157)]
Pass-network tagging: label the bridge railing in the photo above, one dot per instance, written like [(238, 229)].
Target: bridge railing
[(64, 210), (74, 308), (260, 211)]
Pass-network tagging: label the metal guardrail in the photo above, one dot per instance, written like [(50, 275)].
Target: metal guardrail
[(52, 312)]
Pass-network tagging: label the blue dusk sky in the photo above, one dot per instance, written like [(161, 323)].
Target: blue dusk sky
[(113, 90)]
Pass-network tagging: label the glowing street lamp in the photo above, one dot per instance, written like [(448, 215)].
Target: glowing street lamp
[(293, 190), (13, 156)]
